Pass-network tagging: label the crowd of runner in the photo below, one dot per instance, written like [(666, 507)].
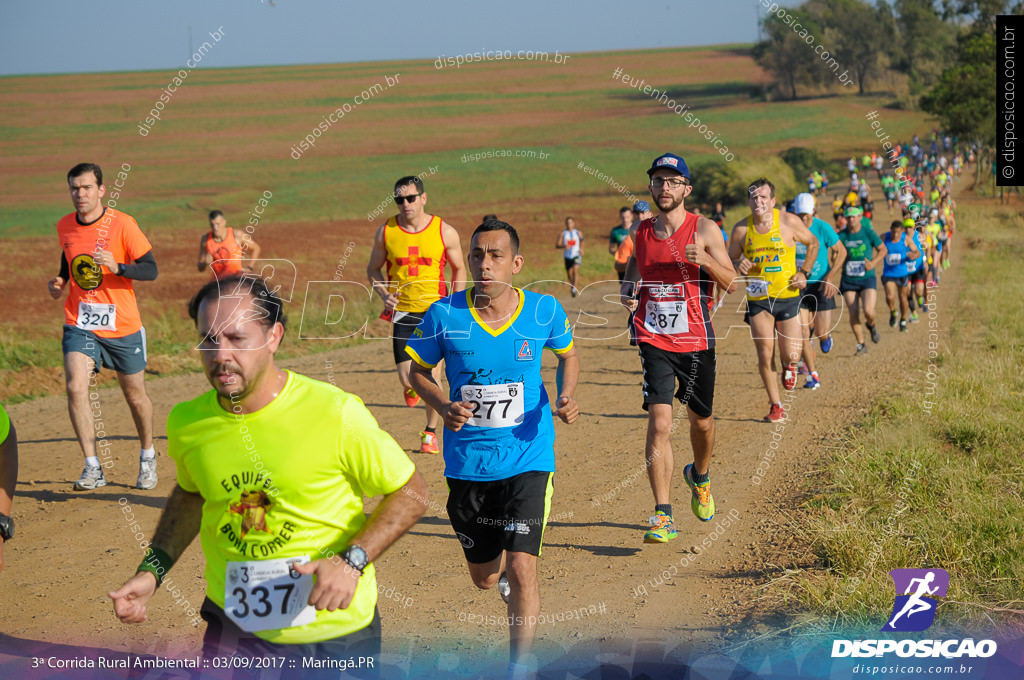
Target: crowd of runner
[(272, 466)]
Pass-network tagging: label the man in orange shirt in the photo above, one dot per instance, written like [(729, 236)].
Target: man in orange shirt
[(103, 252), (413, 248), (223, 250)]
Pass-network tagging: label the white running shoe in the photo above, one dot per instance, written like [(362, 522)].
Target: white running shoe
[(147, 474), (92, 478), (504, 589)]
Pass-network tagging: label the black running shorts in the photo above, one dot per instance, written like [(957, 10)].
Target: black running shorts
[(781, 308), (695, 372), (505, 514), (401, 331), (813, 298)]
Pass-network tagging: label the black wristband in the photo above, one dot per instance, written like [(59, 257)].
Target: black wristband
[(120, 269)]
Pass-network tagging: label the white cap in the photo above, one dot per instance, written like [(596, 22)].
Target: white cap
[(803, 204)]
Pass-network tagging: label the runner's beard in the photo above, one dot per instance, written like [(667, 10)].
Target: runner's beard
[(673, 203)]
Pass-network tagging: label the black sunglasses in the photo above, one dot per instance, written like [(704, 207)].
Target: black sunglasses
[(406, 199)]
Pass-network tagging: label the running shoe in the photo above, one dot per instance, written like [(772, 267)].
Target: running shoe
[(702, 504), (893, 318), (812, 382), (920, 301), (876, 337), (776, 414), (932, 284), (147, 474), (903, 325), (92, 478), (411, 398), (861, 348), (504, 589), (428, 442), (914, 318), (662, 530), (803, 368), (789, 377), (826, 344), (945, 265)]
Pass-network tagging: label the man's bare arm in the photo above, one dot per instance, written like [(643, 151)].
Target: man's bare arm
[(453, 251)]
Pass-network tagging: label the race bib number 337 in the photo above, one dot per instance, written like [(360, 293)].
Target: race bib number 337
[(268, 594)]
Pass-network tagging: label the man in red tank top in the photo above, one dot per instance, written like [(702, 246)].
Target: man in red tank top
[(677, 259)]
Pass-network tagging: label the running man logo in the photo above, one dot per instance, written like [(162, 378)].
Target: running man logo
[(913, 611), (523, 350)]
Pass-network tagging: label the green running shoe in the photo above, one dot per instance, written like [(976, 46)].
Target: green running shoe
[(702, 504), (662, 530)]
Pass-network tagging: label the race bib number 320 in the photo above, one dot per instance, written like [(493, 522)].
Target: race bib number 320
[(95, 316), (495, 405), (666, 318), (268, 594)]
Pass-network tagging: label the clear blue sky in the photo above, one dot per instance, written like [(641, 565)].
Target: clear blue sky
[(130, 35)]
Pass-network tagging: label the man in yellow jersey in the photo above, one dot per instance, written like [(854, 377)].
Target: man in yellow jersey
[(224, 250), (413, 248), (104, 251), (763, 249), (8, 479), (272, 470)]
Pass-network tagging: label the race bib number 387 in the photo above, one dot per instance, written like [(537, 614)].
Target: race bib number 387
[(666, 318), (495, 405), (268, 594)]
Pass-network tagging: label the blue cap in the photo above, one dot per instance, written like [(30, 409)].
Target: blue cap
[(672, 162), (641, 207)]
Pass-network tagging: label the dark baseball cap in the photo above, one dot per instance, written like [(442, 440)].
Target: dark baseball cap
[(672, 162)]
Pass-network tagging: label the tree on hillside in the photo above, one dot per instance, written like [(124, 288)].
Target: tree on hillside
[(859, 33), (981, 13), (962, 99), (786, 54), (925, 45)]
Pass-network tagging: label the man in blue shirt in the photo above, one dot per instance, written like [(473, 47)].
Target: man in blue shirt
[(818, 299), (900, 253), (499, 441)]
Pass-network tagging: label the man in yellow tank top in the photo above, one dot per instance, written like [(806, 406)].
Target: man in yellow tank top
[(412, 250), (763, 249)]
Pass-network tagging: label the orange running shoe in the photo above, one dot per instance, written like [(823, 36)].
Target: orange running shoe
[(429, 442), (411, 398)]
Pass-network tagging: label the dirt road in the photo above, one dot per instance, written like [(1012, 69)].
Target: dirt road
[(71, 548)]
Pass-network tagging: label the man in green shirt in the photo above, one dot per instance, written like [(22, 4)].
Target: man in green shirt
[(864, 251)]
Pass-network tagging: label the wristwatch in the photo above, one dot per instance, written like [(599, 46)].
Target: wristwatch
[(6, 527), (120, 269), (356, 558)]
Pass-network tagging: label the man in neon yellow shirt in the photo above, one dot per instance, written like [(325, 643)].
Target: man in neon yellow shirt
[(8, 478), (272, 469)]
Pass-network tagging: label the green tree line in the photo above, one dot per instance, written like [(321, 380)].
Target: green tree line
[(945, 48)]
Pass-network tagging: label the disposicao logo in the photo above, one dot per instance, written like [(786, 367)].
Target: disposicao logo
[(914, 611)]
